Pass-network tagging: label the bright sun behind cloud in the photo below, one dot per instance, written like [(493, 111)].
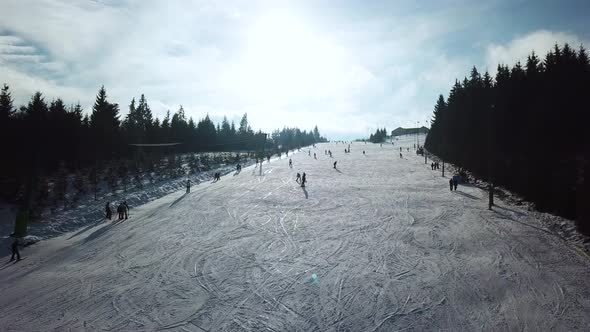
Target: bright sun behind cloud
[(286, 61)]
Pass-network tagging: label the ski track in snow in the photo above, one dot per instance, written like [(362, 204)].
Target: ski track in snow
[(391, 247)]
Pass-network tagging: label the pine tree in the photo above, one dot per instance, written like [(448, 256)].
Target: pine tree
[(104, 123), (6, 104)]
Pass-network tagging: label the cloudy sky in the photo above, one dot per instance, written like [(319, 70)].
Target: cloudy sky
[(347, 66)]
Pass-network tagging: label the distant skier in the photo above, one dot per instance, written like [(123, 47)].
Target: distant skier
[(432, 166), (400, 155), (15, 251), (298, 178), (109, 212), (188, 185), (125, 209), (303, 180), (400, 149), (290, 163), (309, 153), (120, 211), (455, 181), (268, 158), (314, 156), (363, 152), (451, 184), (335, 164)]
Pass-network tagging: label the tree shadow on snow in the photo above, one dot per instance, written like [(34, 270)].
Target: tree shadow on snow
[(519, 213), (466, 195), (87, 228), (101, 231)]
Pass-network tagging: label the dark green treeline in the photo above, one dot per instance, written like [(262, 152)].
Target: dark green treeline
[(526, 128), (41, 137)]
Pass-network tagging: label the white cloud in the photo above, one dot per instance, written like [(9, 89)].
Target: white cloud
[(284, 68), (519, 48)]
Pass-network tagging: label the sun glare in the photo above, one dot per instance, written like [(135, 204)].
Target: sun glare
[(285, 59)]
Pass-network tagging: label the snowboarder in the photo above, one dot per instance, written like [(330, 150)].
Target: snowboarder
[(290, 163), (335, 164), (108, 210), (15, 251), (451, 184), (188, 185), (298, 178), (125, 209), (303, 180)]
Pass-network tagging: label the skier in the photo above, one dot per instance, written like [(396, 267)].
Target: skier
[(298, 178), (15, 251), (290, 163), (314, 156), (188, 185), (268, 158), (363, 152), (303, 180), (400, 155), (455, 181), (335, 164), (451, 184), (400, 149), (309, 153), (120, 211), (126, 209), (108, 210)]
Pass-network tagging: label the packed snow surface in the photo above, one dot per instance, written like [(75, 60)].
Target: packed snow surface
[(378, 244)]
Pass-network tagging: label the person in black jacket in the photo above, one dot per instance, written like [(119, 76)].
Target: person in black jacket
[(125, 209), (109, 212), (14, 248)]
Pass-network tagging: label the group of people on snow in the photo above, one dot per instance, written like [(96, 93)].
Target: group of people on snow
[(435, 165), (122, 211), (217, 176)]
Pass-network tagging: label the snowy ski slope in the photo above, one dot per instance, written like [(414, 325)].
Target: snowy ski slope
[(380, 244)]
